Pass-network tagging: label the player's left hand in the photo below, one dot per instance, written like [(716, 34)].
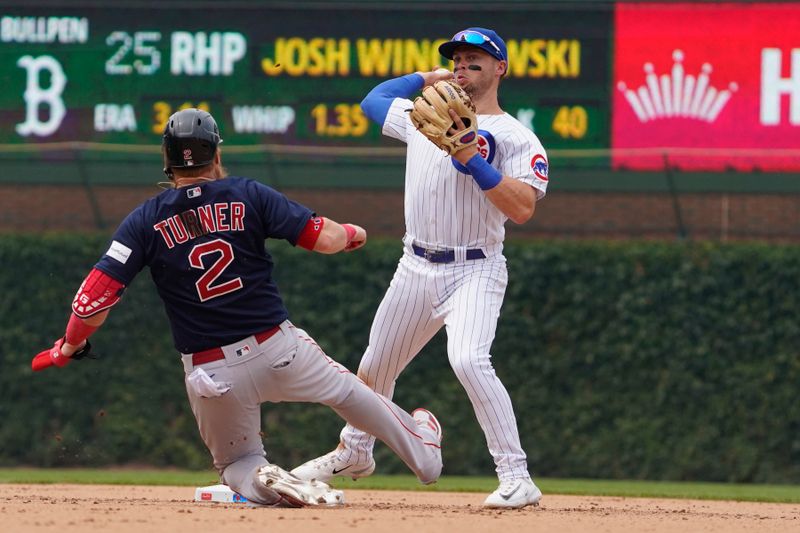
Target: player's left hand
[(432, 115), (358, 240), (465, 154), (55, 356)]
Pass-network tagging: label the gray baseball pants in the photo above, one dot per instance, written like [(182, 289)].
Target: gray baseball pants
[(291, 367)]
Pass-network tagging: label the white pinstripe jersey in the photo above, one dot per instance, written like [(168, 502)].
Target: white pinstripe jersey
[(445, 208)]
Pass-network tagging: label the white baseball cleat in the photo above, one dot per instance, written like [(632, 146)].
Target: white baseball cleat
[(333, 464), (514, 494), (425, 418), (296, 492)]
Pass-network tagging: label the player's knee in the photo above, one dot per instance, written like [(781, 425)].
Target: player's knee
[(460, 366), (467, 365), (347, 395)]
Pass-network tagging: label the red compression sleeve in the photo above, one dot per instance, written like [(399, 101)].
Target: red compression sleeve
[(98, 292), (78, 330), (310, 234)]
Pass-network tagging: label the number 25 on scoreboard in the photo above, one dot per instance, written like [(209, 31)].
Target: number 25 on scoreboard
[(163, 110), (133, 53)]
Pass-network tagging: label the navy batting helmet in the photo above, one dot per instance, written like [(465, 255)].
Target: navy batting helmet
[(190, 139)]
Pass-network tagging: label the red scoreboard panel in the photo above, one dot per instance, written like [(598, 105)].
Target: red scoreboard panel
[(716, 84)]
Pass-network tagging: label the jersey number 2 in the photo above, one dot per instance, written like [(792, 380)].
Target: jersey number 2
[(205, 289)]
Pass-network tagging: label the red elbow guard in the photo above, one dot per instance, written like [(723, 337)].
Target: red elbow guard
[(98, 292), (310, 234)]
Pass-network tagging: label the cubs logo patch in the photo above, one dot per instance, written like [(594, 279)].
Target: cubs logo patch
[(539, 166), (486, 147)]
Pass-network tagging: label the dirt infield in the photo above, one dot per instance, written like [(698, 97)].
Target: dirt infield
[(123, 509)]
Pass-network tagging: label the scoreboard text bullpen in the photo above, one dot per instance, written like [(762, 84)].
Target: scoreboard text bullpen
[(271, 76)]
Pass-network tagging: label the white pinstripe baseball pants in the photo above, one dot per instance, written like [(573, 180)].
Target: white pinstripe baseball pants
[(465, 297)]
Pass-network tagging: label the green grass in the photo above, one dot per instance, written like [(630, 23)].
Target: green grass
[(584, 487), (594, 487), (123, 476)]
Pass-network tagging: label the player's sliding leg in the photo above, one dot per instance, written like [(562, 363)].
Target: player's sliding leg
[(230, 427), (242, 477), (403, 324), (415, 439)]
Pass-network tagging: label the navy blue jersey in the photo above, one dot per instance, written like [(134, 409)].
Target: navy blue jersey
[(205, 248)]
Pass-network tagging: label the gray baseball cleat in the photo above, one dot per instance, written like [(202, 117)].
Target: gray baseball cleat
[(296, 492), (431, 433), (514, 494), (334, 464)]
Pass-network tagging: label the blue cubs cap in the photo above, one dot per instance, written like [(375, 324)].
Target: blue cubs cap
[(483, 38)]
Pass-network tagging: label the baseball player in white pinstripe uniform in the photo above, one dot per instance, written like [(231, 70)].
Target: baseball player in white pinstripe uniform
[(452, 272)]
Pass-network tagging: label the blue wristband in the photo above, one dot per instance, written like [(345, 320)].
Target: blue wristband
[(484, 174)]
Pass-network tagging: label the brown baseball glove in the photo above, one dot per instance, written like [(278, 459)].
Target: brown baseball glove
[(430, 116)]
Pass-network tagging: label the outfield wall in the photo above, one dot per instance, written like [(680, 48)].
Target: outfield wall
[(698, 215), (637, 360)]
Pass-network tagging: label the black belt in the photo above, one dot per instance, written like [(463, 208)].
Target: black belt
[(445, 256)]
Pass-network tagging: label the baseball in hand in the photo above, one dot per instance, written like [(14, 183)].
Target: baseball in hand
[(441, 71)]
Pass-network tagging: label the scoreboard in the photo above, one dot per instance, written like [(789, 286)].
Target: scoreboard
[(291, 76), (633, 86)]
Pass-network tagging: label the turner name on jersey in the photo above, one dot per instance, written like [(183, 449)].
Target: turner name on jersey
[(205, 219)]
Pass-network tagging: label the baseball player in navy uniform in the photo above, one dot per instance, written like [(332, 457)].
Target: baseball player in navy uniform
[(452, 272), (204, 241)]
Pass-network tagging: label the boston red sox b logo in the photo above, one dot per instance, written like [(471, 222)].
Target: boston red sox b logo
[(486, 147)]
